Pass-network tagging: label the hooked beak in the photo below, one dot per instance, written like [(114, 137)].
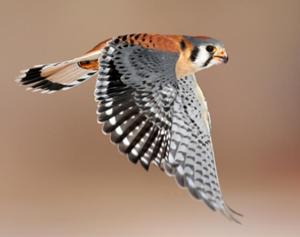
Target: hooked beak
[(221, 55)]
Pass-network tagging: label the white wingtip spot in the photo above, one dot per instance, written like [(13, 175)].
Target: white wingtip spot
[(119, 130), (144, 160), (112, 120), (134, 152), (109, 111), (108, 104), (126, 141)]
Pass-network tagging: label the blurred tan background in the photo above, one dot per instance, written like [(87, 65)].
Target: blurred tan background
[(60, 176)]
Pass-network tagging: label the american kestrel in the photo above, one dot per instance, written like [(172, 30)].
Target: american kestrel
[(150, 103)]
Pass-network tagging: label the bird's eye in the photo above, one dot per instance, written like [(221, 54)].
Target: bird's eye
[(210, 48)]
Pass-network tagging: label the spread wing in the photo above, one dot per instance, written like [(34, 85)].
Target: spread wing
[(191, 156), (155, 117), (136, 89)]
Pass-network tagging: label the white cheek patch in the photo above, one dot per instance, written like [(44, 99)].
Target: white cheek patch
[(202, 57)]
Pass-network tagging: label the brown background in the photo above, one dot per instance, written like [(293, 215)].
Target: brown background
[(59, 176)]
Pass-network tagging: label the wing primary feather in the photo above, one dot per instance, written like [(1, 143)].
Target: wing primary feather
[(127, 128), (146, 153), (120, 118), (120, 111)]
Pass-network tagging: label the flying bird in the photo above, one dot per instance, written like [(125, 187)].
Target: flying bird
[(150, 103)]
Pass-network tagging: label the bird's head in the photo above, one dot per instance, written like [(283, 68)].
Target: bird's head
[(206, 52)]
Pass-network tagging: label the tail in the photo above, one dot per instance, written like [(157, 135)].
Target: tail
[(49, 78)]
